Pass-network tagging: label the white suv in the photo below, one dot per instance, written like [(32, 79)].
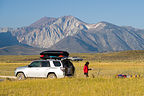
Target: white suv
[(46, 68)]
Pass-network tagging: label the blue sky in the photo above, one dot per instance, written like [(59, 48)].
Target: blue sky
[(19, 13)]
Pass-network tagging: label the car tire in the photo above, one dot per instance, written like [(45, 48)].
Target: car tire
[(52, 76), (20, 76)]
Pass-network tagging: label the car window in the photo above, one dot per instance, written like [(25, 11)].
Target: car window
[(35, 64), (57, 63), (67, 63), (45, 64)]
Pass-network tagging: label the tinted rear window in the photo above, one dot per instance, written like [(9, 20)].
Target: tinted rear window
[(45, 64), (57, 63)]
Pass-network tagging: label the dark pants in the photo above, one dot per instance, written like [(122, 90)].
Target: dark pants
[(86, 74)]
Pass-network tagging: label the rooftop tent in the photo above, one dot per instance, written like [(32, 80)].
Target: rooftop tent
[(53, 54)]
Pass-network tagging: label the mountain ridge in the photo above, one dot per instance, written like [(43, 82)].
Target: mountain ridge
[(69, 32)]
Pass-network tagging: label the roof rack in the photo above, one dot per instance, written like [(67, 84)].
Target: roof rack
[(54, 55)]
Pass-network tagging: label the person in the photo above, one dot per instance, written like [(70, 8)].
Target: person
[(86, 69)]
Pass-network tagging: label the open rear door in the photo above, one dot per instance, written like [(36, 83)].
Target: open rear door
[(69, 67)]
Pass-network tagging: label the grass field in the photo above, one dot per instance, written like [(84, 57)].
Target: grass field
[(101, 81)]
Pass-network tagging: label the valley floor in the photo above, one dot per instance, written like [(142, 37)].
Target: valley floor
[(101, 81)]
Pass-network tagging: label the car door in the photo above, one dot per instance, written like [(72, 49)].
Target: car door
[(69, 68), (33, 69), (45, 66), (38, 69)]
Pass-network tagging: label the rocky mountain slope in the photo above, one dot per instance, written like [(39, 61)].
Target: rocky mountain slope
[(104, 37), (49, 32), (9, 45), (19, 50), (6, 39), (70, 33)]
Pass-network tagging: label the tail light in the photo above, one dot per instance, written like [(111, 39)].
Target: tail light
[(42, 56), (61, 56), (63, 69)]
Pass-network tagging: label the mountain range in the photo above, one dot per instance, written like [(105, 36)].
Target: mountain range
[(71, 34)]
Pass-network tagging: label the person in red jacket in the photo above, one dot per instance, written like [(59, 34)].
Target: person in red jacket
[(86, 69)]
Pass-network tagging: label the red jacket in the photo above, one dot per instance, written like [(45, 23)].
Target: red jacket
[(85, 69)]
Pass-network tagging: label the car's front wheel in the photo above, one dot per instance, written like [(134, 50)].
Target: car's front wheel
[(52, 76), (20, 76)]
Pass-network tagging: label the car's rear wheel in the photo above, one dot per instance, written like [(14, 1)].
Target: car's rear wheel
[(52, 76), (20, 76)]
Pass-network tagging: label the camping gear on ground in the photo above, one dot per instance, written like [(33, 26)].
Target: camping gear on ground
[(126, 76)]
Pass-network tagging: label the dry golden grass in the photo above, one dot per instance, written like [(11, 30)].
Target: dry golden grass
[(101, 81), (74, 87)]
